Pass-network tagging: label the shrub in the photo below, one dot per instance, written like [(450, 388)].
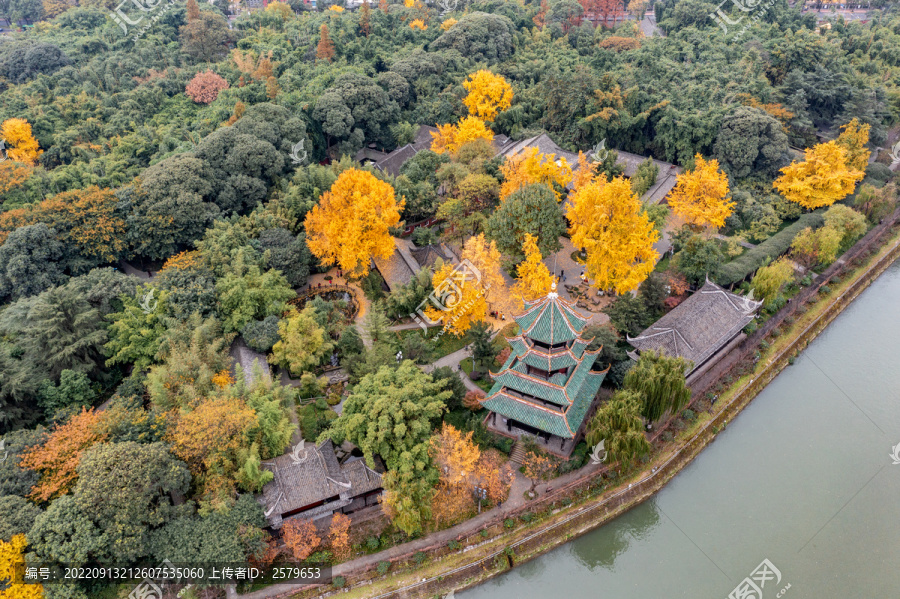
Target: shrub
[(774, 246), (372, 543), (763, 345), (484, 533), (667, 436), (509, 523), (205, 87), (419, 557), (383, 567), (751, 327), (453, 544), (261, 335), (688, 415), (339, 582), (824, 289)]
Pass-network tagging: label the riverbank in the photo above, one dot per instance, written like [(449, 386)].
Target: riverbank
[(586, 504)]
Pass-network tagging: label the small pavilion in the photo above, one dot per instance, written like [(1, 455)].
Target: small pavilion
[(547, 386)]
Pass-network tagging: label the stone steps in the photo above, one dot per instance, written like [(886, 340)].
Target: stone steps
[(517, 455)]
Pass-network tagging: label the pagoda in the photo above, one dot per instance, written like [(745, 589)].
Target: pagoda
[(547, 386)]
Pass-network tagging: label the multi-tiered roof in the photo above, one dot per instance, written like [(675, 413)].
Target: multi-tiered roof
[(547, 381)]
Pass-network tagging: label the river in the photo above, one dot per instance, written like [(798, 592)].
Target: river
[(802, 478)]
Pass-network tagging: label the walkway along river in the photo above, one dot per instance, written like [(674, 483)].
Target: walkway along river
[(803, 478)]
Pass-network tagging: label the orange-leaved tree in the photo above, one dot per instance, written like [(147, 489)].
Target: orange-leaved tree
[(823, 178), (21, 146), (700, 195), (56, 460), (584, 173), (450, 138), (853, 139), (351, 222), (325, 49), (533, 277), (494, 474), (473, 399), (456, 457), (606, 220), (13, 174), (538, 466), (529, 167), (339, 534), (301, 537), (489, 94), (12, 557), (205, 87), (87, 218), (208, 437)]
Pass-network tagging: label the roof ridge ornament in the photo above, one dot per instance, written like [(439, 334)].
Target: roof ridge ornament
[(553, 294)]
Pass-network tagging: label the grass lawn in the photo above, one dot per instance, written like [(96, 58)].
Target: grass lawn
[(663, 265), (446, 344), (484, 384)]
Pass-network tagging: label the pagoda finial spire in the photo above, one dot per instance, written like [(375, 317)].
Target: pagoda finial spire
[(553, 294)]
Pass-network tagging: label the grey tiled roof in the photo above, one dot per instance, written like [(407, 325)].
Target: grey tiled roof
[(699, 326), (428, 255), (313, 475), (544, 144), (665, 179)]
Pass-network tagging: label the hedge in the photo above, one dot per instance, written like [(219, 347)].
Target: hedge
[(738, 269)]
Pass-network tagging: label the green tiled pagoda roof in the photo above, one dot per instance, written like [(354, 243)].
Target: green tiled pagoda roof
[(550, 319), (543, 419), (521, 382), (549, 361)]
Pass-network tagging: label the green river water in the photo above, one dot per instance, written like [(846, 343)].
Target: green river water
[(803, 478)]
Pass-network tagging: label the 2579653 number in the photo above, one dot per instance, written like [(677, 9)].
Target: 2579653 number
[(290, 573)]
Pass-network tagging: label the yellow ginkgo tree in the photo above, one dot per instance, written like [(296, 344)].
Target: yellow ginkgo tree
[(822, 179), (458, 300), (21, 146), (700, 195), (607, 222), (489, 94), (533, 277), (853, 139), (529, 167), (351, 222), (450, 138), (12, 557)]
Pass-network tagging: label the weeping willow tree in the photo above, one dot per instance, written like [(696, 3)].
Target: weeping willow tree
[(618, 424), (660, 380)]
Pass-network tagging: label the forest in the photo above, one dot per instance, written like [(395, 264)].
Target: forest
[(168, 185)]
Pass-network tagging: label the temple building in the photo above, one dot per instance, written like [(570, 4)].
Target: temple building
[(702, 328), (547, 386)]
